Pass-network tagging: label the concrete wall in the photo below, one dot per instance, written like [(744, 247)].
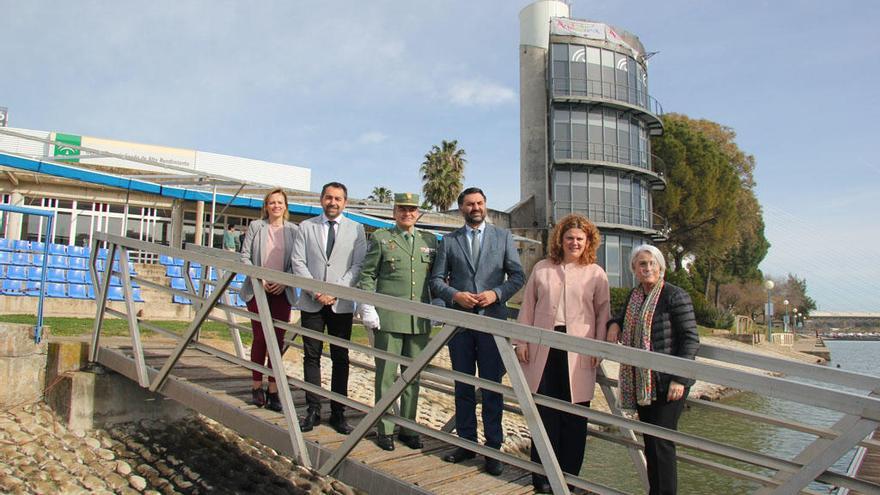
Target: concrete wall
[(22, 365), (533, 168)]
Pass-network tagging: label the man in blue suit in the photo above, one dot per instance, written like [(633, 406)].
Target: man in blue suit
[(477, 269)]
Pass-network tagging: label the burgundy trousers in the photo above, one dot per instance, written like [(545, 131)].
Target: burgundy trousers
[(279, 308)]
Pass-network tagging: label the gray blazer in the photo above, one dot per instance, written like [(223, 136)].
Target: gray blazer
[(498, 269), (343, 267), (252, 253)]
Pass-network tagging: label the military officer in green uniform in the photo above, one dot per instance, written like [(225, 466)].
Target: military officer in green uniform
[(398, 263)]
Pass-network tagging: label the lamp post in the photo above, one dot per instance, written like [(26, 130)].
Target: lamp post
[(785, 321), (768, 284)]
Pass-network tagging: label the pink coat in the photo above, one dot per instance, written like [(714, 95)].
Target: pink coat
[(587, 311)]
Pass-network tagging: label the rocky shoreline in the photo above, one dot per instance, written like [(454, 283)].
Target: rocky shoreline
[(193, 456)]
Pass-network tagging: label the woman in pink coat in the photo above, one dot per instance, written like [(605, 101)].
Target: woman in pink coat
[(567, 292)]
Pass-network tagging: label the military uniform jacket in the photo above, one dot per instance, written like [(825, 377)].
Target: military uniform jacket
[(394, 268)]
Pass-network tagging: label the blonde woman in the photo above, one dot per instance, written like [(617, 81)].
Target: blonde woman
[(269, 243)]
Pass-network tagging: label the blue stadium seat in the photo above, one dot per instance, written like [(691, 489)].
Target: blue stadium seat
[(37, 259), (5, 244), (99, 265), (56, 290), (56, 275), (2, 271), (235, 285), (78, 291), (34, 273), (58, 261), (181, 300), (32, 288), (102, 254), (165, 260), (178, 283), (16, 272), (12, 288), (58, 249), (22, 259), (5, 258), (78, 263), (19, 245), (173, 271), (239, 277), (115, 294), (37, 246), (91, 290), (115, 282), (78, 251), (136, 295), (78, 277), (195, 272)]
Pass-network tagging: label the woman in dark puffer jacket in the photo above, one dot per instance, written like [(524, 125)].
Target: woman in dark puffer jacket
[(658, 317)]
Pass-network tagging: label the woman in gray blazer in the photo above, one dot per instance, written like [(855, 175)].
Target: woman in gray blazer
[(269, 243)]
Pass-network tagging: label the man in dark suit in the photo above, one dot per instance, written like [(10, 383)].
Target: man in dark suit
[(477, 269), (330, 248)]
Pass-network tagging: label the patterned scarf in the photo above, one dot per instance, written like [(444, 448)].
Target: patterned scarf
[(637, 384)]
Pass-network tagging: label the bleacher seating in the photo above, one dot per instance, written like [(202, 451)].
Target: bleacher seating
[(78, 291), (78, 277), (78, 263), (35, 273), (67, 275), (56, 275)]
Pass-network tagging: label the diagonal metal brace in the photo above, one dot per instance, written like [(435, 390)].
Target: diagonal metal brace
[(190, 332), (418, 364), (533, 419)]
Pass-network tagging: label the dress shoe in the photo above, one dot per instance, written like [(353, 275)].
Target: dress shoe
[(494, 466), (412, 441), (258, 397), (459, 455), (541, 484), (273, 402), (385, 442), (339, 423), (310, 420)]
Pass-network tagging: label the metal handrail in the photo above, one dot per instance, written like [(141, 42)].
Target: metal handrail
[(863, 412), (605, 213), (591, 88), (613, 153)]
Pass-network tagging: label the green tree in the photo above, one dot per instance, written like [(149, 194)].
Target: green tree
[(443, 174), (381, 194), (701, 194)]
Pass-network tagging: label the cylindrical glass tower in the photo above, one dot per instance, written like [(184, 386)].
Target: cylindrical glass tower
[(585, 120)]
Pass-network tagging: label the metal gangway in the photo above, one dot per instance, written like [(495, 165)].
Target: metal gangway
[(216, 383)]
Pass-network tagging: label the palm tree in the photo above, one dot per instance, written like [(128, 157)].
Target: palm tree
[(443, 174), (381, 194)]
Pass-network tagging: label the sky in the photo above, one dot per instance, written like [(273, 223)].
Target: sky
[(359, 91)]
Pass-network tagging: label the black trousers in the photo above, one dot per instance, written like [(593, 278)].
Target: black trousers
[(659, 453), (567, 432), (470, 350), (338, 325)]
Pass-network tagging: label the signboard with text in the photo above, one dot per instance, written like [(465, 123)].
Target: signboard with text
[(4, 117)]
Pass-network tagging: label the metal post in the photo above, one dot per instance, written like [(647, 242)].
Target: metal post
[(768, 284), (38, 330)]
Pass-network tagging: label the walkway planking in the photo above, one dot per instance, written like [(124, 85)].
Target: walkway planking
[(869, 469), (221, 390)]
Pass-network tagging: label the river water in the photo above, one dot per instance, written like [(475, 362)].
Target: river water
[(610, 464)]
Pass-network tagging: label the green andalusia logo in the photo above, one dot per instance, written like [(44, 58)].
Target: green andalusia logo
[(64, 146)]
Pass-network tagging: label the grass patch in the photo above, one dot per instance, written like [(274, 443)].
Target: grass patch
[(115, 327)]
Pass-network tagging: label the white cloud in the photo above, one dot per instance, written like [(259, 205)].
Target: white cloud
[(478, 92), (372, 137)]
